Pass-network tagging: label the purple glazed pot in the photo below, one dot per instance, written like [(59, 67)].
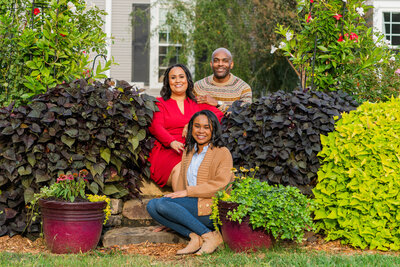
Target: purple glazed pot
[(241, 236), (72, 227)]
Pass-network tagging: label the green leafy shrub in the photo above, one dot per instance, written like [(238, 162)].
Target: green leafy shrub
[(44, 43), (282, 211), (358, 182), (280, 134), (336, 49), (73, 126)]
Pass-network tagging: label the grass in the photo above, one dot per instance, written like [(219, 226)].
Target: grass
[(225, 257)]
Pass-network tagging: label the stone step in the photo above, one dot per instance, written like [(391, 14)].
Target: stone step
[(135, 235)]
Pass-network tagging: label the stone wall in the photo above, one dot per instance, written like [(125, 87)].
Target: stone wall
[(133, 212)]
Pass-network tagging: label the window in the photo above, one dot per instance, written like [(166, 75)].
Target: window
[(165, 46), (140, 51), (391, 27)]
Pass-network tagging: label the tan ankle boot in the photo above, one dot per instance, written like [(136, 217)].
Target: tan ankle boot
[(211, 241), (193, 245)]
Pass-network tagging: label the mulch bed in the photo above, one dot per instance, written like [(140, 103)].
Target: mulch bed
[(19, 244)]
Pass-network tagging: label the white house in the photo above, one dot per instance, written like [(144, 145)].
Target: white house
[(141, 62), (386, 18)]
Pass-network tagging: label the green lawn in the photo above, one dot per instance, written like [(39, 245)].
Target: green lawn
[(274, 257)]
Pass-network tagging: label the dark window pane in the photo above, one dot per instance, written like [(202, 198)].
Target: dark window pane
[(396, 28), (387, 28), (161, 61), (162, 50), (386, 16), (162, 37), (140, 35), (161, 74), (173, 61), (388, 38), (395, 17), (395, 40)]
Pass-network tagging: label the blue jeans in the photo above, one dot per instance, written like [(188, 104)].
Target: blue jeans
[(179, 214)]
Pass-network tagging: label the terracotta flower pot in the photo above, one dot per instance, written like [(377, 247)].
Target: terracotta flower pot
[(72, 227), (241, 236)]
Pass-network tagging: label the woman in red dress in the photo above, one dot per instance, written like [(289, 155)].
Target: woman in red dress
[(176, 106)]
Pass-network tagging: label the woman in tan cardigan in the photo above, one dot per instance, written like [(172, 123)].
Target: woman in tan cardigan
[(205, 169)]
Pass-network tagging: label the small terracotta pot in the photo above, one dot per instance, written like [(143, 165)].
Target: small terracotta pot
[(241, 236), (72, 227)]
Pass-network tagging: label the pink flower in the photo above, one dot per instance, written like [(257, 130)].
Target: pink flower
[(397, 72), (354, 37), (84, 52), (70, 177), (337, 16), (61, 178), (36, 11), (340, 38), (309, 17)]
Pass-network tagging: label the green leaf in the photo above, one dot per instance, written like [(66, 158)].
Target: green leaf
[(105, 153), (110, 189), (26, 182), (94, 187), (322, 48), (31, 65), (28, 195), (134, 141), (67, 140), (25, 171)]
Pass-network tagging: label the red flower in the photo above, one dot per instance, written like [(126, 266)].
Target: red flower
[(346, 35), (337, 16), (311, 1), (36, 11), (63, 35), (309, 17), (354, 37), (340, 38)]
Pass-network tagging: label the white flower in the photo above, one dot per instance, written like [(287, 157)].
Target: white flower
[(282, 45), (380, 61), (344, 1), (71, 7), (289, 35), (273, 49), (392, 58), (388, 42), (360, 11)]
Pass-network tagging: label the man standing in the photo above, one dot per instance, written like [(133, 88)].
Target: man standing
[(222, 88)]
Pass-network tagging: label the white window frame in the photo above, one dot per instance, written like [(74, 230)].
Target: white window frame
[(381, 7), (390, 23)]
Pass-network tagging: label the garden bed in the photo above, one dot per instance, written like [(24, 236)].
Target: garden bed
[(19, 244)]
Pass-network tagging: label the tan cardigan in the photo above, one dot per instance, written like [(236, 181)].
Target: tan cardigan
[(214, 173)]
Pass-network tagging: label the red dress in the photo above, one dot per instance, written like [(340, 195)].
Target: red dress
[(166, 127)]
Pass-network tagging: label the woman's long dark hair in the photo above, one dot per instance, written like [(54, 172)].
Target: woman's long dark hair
[(166, 89), (215, 130)]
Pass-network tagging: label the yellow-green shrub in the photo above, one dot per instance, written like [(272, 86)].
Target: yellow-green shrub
[(358, 190)]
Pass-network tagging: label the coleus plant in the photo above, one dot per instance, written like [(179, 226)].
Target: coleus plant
[(74, 126), (280, 133)]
